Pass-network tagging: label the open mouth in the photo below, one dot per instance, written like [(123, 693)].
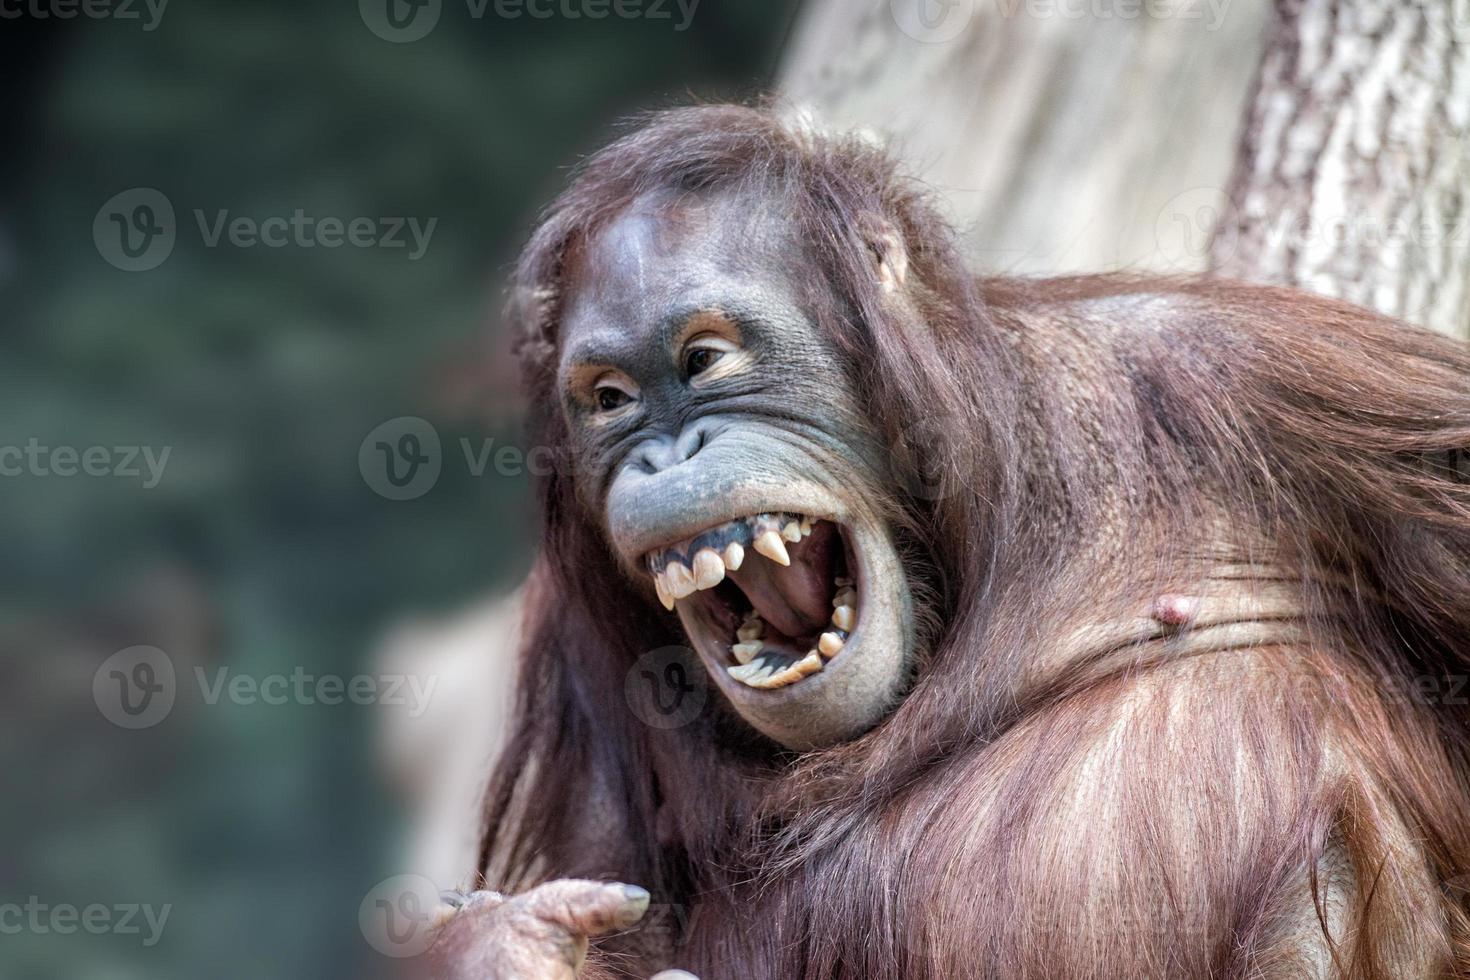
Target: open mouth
[(780, 586)]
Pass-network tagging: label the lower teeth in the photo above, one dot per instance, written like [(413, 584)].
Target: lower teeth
[(766, 669), (771, 670)]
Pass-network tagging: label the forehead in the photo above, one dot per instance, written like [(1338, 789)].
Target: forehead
[(667, 256)]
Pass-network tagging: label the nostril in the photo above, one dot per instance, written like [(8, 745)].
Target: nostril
[(662, 452), (691, 442), (651, 457)]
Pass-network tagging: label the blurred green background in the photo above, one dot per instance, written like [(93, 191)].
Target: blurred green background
[(261, 370)]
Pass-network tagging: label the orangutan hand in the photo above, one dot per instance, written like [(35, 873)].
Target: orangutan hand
[(540, 935)]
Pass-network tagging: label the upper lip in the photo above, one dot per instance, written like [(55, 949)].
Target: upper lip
[(652, 516)]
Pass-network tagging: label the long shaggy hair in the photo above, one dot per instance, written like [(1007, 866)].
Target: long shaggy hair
[(1063, 792)]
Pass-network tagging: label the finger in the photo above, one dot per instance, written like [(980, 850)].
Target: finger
[(587, 908), (452, 902)]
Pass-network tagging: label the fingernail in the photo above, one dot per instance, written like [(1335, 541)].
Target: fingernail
[(635, 903)]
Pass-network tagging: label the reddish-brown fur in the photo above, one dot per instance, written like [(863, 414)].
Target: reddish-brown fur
[(1071, 788)]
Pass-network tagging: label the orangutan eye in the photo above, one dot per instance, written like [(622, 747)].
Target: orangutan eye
[(700, 359), (613, 391), (609, 398), (704, 352)]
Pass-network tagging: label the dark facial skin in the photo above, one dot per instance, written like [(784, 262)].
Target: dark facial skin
[(698, 392)]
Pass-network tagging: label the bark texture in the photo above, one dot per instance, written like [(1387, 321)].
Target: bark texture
[(1352, 173)]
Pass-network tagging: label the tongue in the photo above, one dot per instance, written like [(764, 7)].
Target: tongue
[(795, 600)]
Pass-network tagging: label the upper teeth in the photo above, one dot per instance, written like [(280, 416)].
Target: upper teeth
[(709, 569), (676, 576)]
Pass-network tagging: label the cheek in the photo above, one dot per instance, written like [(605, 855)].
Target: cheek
[(589, 468)]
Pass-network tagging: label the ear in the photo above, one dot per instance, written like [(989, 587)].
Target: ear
[(891, 256)]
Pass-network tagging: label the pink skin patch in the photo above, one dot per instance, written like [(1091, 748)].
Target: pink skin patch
[(1175, 610)]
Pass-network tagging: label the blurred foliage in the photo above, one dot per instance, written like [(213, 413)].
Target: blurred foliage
[(263, 369)]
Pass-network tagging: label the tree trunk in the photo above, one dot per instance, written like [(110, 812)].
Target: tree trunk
[(1352, 172), (1062, 134)]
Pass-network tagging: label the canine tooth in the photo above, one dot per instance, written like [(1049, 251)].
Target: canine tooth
[(663, 592), (746, 651), (791, 532), (845, 597), (842, 617), (734, 555), (709, 569), (809, 664), (681, 580), (830, 644), (771, 545), (751, 629)]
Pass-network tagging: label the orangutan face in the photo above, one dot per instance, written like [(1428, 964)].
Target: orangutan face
[(717, 432)]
